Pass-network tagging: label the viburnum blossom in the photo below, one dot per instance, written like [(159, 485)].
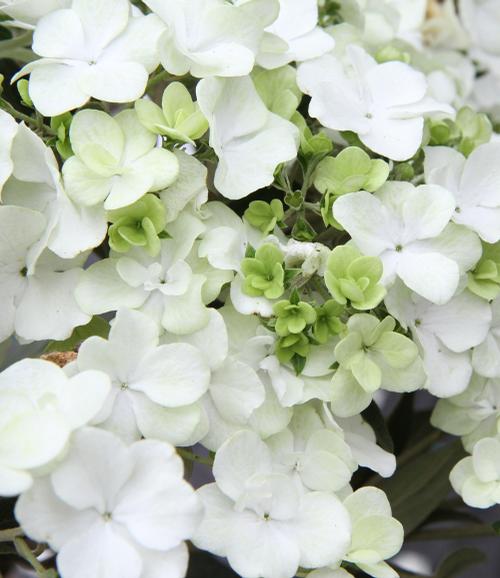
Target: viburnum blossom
[(250, 285)]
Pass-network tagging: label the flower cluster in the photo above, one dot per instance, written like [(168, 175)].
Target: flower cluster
[(248, 219)]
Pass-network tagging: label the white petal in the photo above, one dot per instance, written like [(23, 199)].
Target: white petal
[(481, 177), (94, 470), (114, 81), (60, 34), (55, 88), (431, 275), (100, 551)]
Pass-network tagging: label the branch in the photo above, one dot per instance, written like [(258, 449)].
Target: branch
[(10, 534), (471, 531)]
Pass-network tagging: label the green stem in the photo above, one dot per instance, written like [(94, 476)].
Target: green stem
[(471, 531), (10, 534), (188, 455), (25, 552), (34, 123)]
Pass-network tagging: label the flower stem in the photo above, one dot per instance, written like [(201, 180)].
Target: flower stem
[(25, 552), (10, 534), (36, 124)]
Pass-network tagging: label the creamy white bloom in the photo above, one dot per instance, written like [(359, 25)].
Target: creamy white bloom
[(212, 37), (438, 330), (166, 288), (408, 228), (92, 49), (376, 535), (36, 290), (32, 180), (261, 522), (151, 383), (39, 408), (473, 414), (384, 104), (481, 19), (26, 13), (249, 140), (294, 35), (116, 160), (486, 356), (110, 510), (474, 183), (477, 477)]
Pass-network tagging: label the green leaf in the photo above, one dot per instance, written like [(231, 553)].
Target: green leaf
[(455, 564), (419, 487), (298, 363), (374, 417), (96, 326)]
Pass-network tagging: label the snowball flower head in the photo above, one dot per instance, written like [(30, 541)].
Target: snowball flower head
[(261, 522), (39, 408), (384, 103), (110, 510), (93, 49)]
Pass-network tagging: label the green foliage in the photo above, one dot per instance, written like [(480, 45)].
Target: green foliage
[(61, 124), (457, 562), (293, 316), (353, 277), (138, 225), (264, 273), (292, 346), (311, 144), (265, 216), (96, 326)]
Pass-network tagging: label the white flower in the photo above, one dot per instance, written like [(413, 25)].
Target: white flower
[(33, 181), (212, 37), (260, 521), (473, 414), (164, 287), (481, 19), (26, 13), (151, 383), (36, 291), (474, 183), (438, 329), (39, 408), (110, 510), (93, 49), (477, 477), (116, 160), (376, 535), (384, 103), (407, 227), (235, 390), (249, 140), (486, 356), (294, 35)]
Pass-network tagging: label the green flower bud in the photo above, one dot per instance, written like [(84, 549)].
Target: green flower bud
[(61, 125), (179, 118), (328, 321), (292, 346), (350, 276), (264, 216), (311, 144), (138, 225), (442, 132), (350, 171), (22, 88), (293, 317), (302, 230), (475, 128), (389, 53), (264, 273), (278, 89), (484, 281), (403, 172)]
